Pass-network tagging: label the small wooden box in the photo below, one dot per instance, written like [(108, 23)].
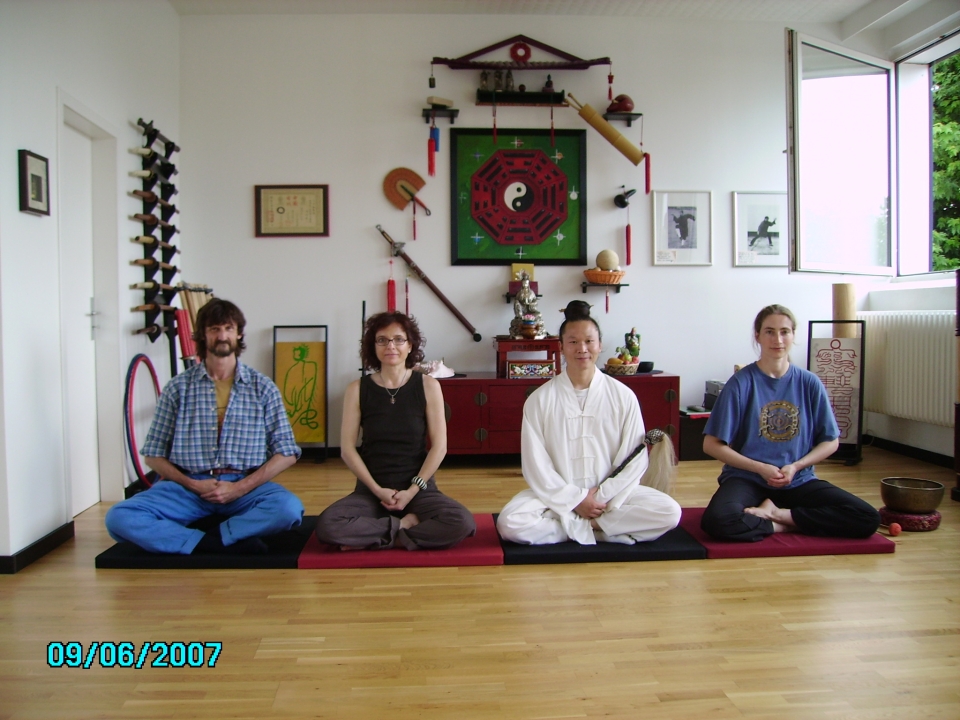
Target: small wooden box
[(530, 369)]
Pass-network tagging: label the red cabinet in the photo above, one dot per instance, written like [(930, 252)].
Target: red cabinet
[(484, 413)]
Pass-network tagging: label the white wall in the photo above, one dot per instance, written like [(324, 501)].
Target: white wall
[(120, 59), (336, 99)]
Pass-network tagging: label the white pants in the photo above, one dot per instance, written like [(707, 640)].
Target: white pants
[(645, 515)]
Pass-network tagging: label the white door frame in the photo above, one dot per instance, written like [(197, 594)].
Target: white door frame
[(106, 288)]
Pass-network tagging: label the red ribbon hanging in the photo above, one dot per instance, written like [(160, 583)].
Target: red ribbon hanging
[(629, 239), (391, 291), (431, 157), (646, 170)]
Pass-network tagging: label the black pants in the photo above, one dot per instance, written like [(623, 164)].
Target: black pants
[(817, 507)]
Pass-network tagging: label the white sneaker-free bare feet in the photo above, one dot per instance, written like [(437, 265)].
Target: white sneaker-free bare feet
[(781, 518), (408, 521)]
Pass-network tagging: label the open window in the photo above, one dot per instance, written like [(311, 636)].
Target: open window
[(841, 127)]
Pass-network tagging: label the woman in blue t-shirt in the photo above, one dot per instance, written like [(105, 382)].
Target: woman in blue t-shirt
[(771, 423)]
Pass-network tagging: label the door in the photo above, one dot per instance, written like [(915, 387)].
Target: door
[(78, 359)]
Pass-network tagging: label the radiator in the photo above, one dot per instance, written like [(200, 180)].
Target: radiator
[(911, 364)]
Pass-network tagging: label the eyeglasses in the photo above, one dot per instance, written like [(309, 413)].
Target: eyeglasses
[(397, 341)]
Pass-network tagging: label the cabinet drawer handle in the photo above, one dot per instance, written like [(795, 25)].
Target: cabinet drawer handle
[(670, 395), (480, 434), (480, 398)]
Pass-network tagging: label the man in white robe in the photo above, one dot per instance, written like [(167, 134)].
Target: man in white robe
[(571, 440)]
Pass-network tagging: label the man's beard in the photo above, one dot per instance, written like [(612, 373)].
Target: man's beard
[(224, 348)]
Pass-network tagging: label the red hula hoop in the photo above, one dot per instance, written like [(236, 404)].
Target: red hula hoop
[(131, 430)]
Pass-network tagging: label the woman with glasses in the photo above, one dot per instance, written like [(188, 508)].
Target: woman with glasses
[(396, 502)]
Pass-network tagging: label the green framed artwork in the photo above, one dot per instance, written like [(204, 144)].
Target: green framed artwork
[(519, 199), (300, 372)]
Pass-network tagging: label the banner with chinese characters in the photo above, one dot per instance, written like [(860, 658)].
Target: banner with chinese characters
[(837, 362)]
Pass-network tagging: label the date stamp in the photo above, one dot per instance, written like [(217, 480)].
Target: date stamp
[(133, 655)]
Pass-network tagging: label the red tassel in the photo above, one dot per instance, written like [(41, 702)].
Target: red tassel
[(610, 87), (391, 291), (431, 157), (629, 245), (647, 171)]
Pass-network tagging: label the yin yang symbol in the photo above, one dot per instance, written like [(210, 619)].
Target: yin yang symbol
[(518, 196)]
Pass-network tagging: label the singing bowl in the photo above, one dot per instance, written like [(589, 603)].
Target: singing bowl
[(645, 366), (911, 495)]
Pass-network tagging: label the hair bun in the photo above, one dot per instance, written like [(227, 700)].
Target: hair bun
[(576, 310)]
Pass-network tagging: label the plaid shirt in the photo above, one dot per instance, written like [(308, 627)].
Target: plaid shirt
[(184, 429)]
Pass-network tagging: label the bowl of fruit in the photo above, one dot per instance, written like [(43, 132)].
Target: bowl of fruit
[(623, 364)]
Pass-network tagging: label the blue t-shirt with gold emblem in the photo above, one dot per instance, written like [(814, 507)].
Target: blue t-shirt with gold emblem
[(772, 420)]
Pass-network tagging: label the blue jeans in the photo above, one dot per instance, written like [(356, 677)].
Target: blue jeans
[(157, 519)]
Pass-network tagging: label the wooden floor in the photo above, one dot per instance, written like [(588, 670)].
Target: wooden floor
[(874, 636)]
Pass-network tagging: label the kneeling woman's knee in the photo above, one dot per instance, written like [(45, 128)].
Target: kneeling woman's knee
[(720, 524)]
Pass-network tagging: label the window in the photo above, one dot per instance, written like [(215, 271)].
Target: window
[(874, 167), (842, 194)]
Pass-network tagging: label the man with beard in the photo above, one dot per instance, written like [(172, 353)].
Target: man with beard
[(219, 437)]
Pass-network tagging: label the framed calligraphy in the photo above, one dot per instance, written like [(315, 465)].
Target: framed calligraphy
[(835, 356), (292, 210)]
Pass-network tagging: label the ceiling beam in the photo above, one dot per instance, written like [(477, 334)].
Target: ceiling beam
[(869, 15)]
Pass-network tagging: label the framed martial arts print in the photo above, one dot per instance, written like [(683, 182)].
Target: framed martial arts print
[(682, 228), (518, 198), (759, 229), (300, 372)]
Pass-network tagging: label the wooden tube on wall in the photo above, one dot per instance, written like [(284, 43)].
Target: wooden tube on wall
[(844, 308)]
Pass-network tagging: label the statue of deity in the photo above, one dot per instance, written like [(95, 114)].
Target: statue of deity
[(527, 321)]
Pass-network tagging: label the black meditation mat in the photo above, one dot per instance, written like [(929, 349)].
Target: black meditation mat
[(284, 550), (674, 545)]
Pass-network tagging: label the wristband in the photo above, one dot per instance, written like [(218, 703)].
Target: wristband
[(419, 482)]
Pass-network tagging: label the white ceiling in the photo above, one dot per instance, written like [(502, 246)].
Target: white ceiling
[(794, 11)]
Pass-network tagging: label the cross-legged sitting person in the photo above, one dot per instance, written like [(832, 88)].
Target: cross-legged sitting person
[(770, 425), (396, 502), (577, 429), (219, 437)]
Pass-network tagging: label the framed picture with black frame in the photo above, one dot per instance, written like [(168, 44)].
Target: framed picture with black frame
[(34, 183), (835, 355), (518, 196)]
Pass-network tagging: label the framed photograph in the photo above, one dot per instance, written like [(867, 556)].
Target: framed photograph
[(519, 199), (760, 229), (292, 211), (34, 183), (682, 228)]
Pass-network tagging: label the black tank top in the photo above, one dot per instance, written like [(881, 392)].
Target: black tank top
[(394, 443)]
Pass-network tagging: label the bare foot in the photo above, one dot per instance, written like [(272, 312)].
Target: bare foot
[(408, 521), (782, 519)]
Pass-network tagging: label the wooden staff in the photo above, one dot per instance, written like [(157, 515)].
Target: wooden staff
[(151, 197), (397, 249), (152, 306), (151, 262), (150, 285)]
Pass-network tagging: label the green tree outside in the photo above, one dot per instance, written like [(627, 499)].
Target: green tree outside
[(946, 163)]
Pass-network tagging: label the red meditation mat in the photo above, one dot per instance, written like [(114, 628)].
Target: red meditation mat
[(782, 544), (481, 549)]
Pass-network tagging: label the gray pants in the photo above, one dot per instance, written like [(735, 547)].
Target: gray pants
[(359, 520)]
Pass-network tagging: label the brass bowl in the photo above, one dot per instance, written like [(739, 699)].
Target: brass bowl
[(911, 495)]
